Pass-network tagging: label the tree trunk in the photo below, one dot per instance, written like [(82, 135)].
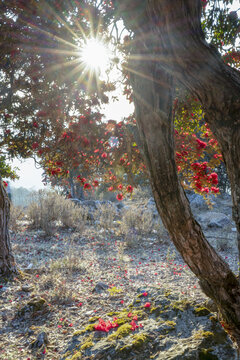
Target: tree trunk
[(7, 263), (198, 65), (168, 40), (153, 106)]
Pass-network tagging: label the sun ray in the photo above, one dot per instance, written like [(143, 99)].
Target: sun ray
[(53, 36)]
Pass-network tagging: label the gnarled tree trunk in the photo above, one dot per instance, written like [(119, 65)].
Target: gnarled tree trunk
[(168, 42), (154, 118), (198, 65), (7, 263)]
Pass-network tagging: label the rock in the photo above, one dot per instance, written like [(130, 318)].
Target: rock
[(197, 201), (27, 288), (171, 329), (100, 287), (42, 340), (120, 205), (214, 220), (35, 306)]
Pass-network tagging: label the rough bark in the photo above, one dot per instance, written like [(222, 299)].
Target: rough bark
[(168, 40), (198, 65), (7, 263)]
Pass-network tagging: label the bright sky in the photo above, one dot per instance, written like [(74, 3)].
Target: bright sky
[(31, 178)]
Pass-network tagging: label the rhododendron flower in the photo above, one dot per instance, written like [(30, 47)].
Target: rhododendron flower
[(147, 305), (104, 326), (35, 145), (87, 186), (104, 155), (95, 183), (144, 293), (120, 186), (134, 325), (214, 189), (129, 189), (201, 144), (214, 178), (110, 188), (119, 197)]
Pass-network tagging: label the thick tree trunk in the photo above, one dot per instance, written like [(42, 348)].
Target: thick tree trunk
[(153, 105), (169, 40), (7, 263), (198, 65)]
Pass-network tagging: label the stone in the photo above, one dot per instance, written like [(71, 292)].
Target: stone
[(42, 340), (197, 201), (214, 220), (100, 287), (171, 329)]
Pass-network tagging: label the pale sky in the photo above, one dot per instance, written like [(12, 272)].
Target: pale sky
[(31, 178)]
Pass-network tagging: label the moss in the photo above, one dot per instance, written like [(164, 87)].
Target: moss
[(94, 318), (180, 305), (170, 323), (86, 345), (113, 313), (156, 310), (201, 311), (78, 332), (202, 334), (37, 303), (114, 291), (123, 331), (139, 339), (89, 327)]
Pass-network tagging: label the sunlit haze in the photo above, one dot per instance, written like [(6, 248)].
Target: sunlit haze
[(95, 55)]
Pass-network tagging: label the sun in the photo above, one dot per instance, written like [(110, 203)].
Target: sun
[(95, 55)]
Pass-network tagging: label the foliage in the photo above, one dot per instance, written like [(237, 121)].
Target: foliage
[(51, 102)]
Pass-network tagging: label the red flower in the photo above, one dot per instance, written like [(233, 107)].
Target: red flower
[(104, 155), (145, 293), (120, 186), (129, 189), (35, 145), (87, 186), (95, 183), (110, 188), (104, 326), (147, 305), (119, 197)]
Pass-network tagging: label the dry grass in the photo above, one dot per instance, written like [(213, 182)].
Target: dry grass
[(50, 209), (105, 215), (16, 215)]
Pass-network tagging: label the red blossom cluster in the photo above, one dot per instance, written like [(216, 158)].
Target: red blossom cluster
[(105, 326)]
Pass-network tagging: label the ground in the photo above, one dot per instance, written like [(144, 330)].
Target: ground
[(71, 279)]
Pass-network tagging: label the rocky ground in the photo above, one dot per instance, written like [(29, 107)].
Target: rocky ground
[(99, 295)]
